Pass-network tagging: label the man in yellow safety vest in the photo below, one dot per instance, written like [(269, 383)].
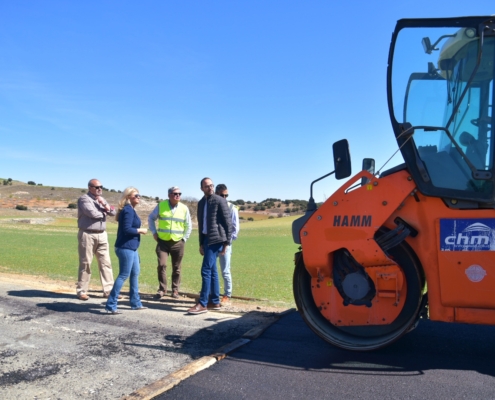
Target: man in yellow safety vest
[(174, 228)]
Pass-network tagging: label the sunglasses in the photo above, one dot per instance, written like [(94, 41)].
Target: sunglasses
[(177, 194), (224, 195), (137, 196), (97, 187)]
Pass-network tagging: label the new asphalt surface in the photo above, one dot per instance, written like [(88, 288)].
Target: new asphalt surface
[(288, 361)]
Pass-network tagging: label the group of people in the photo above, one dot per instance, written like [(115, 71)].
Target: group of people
[(218, 227)]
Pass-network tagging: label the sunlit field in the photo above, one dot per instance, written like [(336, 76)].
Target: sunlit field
[(262, 257)]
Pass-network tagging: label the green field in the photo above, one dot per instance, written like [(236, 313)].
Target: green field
[(262, 257)]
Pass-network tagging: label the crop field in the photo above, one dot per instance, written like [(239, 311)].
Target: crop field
[(262, 257)]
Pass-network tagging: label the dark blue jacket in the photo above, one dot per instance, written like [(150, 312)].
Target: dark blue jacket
[(218, 220), (127, 234)]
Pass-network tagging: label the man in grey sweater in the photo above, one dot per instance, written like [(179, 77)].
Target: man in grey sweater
[(215, 231)]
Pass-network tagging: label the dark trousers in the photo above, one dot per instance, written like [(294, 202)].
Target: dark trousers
[(164, 249)]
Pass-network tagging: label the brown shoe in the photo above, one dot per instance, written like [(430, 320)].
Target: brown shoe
[(175, 294), (158, 295), (83, 296), (197, 309), (107, 295), (225, 299), (212, 306)]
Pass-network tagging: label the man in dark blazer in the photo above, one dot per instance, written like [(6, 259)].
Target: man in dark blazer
[(215, 231)]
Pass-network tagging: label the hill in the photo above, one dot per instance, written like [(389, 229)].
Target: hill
[(53, 200)]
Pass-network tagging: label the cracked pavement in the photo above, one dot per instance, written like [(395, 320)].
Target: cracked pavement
[(54, 346)]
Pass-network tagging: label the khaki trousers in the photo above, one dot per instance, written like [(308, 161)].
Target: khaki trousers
[(164, 249), (91, 244)]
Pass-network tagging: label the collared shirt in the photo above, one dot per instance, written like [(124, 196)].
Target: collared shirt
[(235, 220), (154, 216), (92, 215)]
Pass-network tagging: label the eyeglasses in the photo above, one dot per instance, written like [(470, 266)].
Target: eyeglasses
[(97, 187), (224, 195), (209, 186), (177, 194)]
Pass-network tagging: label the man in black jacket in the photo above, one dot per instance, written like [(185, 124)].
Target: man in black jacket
[(215, 230)]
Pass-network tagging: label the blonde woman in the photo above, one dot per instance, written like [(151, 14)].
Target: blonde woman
[(126, 245)]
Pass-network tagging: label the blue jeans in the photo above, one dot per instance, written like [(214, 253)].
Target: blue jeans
[(225, 267), (209, 273), (128, 268)]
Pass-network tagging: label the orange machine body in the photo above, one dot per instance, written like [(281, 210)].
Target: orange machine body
[(460, 283)]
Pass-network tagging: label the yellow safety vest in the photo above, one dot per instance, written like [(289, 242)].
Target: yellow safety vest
[(171, 226)]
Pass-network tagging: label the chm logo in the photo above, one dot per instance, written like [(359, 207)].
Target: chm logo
[(467, 234)]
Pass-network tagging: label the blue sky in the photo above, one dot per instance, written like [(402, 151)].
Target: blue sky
[(160, 93)]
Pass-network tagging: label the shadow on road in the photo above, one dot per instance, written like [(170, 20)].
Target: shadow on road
[(210, 331), (40, 293)]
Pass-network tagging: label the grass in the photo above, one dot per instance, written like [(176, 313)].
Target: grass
[(262, 257), (254, 216)]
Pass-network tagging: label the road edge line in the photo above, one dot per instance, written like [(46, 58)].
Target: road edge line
[(173, 379)]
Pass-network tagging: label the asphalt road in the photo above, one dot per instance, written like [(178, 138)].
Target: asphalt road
[(288, 361), (54, 346)]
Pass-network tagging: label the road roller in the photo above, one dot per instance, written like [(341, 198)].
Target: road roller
[(397, 244)]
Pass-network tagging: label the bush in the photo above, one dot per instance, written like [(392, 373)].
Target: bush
[(31, 183), (40, 184), (53, 188), (21, 207), (241, 217), (250, 219), (242, 208), (271, 217), (82, 191), (72, 205), (287, 210)]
